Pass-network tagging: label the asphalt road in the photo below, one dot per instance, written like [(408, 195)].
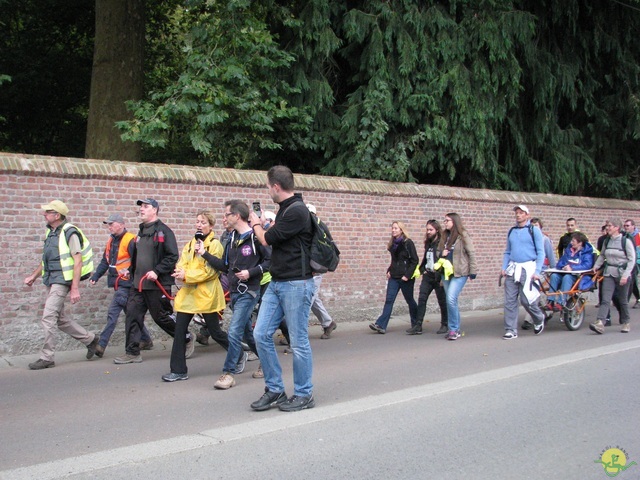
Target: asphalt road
[(387, 406)]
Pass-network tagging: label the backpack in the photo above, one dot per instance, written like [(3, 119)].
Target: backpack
[(325, 255)]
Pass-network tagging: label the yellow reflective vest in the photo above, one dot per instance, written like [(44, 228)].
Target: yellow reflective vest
[(66, 260)]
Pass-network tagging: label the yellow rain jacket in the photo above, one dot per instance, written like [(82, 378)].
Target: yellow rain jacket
[(201, 291)]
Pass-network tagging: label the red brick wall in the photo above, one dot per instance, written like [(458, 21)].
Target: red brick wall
[(359, 214)]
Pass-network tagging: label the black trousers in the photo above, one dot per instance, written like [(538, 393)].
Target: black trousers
[(178, 363), (138, 303), (429, 284)]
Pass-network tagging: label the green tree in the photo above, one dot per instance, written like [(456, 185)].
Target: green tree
[(227, 98)]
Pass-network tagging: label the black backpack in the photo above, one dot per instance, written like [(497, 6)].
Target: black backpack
[(325, 255)]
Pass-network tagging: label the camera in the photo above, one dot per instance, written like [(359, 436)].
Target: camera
[(199, 236), (257, 209)]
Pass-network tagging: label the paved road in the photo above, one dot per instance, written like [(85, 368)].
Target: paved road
[(388, 406)]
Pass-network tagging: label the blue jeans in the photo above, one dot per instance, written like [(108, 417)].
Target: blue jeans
[(452, 288), (290, 300), (564, 282), (242, 308), (394, 285), (118, 304)]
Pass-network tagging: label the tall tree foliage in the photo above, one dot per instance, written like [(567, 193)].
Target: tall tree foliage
[(229, 97)]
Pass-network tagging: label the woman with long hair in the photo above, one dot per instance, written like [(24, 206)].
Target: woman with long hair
[(431, 280), (404, 260), (458, 262), (201, 293)]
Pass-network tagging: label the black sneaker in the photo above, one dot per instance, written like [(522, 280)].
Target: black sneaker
[(537, 329), (415, 330), (268, 400), (91, 348), (443, 329), (296, 403), (527, 325)]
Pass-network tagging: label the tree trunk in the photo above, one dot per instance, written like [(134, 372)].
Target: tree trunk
[(117, 76)]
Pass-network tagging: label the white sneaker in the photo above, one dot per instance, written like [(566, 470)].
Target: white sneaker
[(510, 336)]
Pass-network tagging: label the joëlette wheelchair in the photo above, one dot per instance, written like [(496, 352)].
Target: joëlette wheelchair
[(573, 311)]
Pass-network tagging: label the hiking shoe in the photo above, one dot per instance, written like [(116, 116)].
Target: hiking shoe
[(442, 330), (202, 339), (91, 348), (415, 330), (123, 360), (100, 351), (509, 335), (258, 373), (251, 357), (625, 328), (537, 329), (225, 382), (376, 328), (268, 400), (597, 327), (190, 347), (41, 364), (527, 325), (242, 363), (297, 403), (453, 335), (146, 345), (174, 377), (327, 330)]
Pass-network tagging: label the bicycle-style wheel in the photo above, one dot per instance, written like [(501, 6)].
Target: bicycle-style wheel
[(574, 312)]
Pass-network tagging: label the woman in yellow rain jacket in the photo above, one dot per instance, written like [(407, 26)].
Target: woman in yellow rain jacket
[(201, 292)]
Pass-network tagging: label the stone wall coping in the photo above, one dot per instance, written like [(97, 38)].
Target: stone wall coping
[(26, 164)]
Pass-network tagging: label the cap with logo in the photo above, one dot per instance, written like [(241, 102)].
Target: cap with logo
[(56, 206), (521, 207)]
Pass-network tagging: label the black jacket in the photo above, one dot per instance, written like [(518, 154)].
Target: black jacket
[(290, 240), (404, 260), (165, 254), (242, 254)]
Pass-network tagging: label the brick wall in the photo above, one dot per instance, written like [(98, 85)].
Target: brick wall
[(358, 212)]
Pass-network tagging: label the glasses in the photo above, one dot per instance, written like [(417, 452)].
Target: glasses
[(229, 213)]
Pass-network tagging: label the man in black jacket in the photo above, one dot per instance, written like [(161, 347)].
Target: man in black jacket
[(153, 259), (288, 296)]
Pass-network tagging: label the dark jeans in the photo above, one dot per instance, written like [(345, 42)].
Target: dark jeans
[(117, 305), (429, 284), (158, 305), (395, 285), (178, 363)]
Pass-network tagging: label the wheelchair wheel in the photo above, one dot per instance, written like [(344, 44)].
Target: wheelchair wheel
[(574, 313)]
